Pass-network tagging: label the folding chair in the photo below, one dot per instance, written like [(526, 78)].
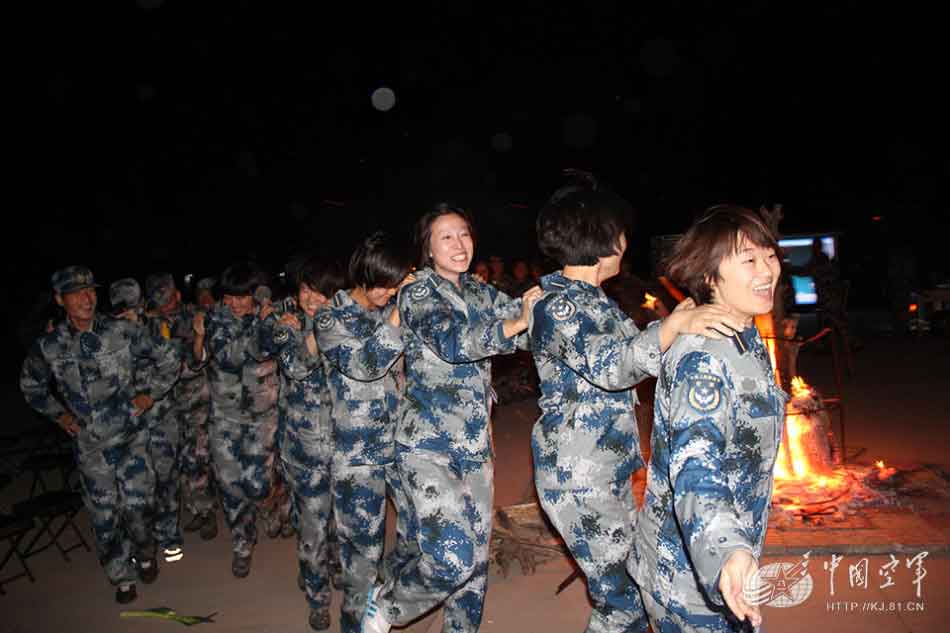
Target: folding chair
[(12, 531), (46, 509), (40, 463)]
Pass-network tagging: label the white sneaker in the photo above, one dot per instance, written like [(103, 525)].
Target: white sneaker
[(173, 554), (373, 620)]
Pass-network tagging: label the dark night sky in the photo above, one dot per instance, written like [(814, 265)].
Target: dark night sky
[(180, 135)]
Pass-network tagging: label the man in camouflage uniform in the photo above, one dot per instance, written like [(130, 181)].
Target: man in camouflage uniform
[(92, 361), (359, 338), (163, 434), (193, 402), (174, 429), (244, 387)]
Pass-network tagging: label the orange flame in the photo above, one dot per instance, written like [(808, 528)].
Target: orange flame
[(880, 464), (649, 302)]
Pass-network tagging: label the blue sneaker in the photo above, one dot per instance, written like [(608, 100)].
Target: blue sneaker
[(373, 620)]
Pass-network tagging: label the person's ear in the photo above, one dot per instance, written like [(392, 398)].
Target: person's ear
[(59, 299)]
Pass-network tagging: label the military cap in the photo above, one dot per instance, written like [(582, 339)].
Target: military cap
[(159, 288), (124, 294), (206, 283), (71, 279)]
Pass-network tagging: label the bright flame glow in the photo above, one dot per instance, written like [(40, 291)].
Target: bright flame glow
[(912, 307), (879, 463), (649, 302), (800, 388)]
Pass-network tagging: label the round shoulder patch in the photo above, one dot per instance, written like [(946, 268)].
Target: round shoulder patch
[(325, 320), (705, 392), (562, 309), (282, 335), (419, 292)]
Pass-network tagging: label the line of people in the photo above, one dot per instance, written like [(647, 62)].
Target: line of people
[(342, 396)]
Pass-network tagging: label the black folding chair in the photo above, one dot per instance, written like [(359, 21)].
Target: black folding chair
[(46, 509), (12, 531)]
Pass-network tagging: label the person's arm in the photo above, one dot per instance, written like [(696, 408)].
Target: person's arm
[(364, 350), (231, 347), (608, 352), (35, 377), (162, 358), (701, 412), (454, 335), (296, 351)]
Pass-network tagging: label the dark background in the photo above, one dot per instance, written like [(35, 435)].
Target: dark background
[(181, 135)]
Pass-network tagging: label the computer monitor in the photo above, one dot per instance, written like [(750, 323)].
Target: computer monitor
[(797, 252)]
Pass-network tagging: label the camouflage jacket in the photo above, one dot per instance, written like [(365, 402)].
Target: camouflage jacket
[(242, 374), (450, 335), (717, 429), (360, 349), (96, 375), (589, 355), (177, 328), (304, 404)]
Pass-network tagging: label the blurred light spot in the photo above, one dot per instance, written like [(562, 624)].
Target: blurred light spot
[(383, 99)]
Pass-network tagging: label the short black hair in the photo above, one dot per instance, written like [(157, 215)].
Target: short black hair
[(423, 232), (322, 274), (241, 279), (582, 222), (378, 262)]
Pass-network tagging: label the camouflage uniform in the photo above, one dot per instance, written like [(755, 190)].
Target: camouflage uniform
[(586, 445), (95, 376), (360, 349), (244, 389), (193, 401), (305, 449), (443, 451), (173, 430), (718, 427)]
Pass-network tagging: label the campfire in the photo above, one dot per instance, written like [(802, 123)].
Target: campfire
[(811, 479)]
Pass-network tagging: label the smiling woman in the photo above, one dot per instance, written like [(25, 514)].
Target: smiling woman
[(719, 417)]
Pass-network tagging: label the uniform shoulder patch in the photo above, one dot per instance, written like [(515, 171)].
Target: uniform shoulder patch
[(325, 320), (419, 292), (562, 309), (705, 392)]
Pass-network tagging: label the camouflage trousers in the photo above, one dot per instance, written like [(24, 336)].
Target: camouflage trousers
[(117, 484), (242, 468), (596, 524), (309, 484), (676, 619), (359, 507), (445, 512), (196, 471), (164, 440), (275, 508)]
